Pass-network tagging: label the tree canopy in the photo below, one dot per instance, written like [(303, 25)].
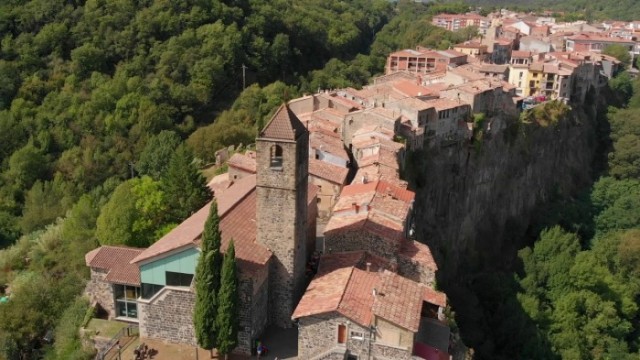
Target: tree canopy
[(207, 282)]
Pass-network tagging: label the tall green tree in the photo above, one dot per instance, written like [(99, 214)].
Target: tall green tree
[(185, 188), (207, 281), (227, 318), (154, 159)]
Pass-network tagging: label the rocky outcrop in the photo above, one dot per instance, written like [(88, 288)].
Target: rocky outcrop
[(473, 200)]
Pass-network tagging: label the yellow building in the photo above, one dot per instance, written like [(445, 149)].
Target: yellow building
[(519, 77)]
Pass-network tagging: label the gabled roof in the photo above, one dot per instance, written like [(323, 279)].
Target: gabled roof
[(399, 301), (189, 231), (115, 259), (243, 162), (360, 295), (284, 125), (327, 171)]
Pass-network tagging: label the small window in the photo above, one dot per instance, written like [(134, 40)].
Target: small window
[(276, 157), (148, 290), (178, 279), (356, 335)]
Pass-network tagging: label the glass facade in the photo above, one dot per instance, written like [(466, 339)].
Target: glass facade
[(126, 296)]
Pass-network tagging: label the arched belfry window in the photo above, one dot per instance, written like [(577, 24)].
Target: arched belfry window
[(276, 157)]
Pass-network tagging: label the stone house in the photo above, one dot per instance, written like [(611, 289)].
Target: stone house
[(473, 49), (355, 307), (423, 60), (114, 285), (328, 148), (329, 179), (451, 120), (387, 118), (271, 218), (487, 96), (370, 140), (377, 217), (241, 165)]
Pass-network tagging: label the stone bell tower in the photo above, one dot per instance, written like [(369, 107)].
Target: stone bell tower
[(282, 175)]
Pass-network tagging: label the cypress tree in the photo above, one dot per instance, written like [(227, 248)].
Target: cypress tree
[(185, 188), (227, 318), (207, 281)]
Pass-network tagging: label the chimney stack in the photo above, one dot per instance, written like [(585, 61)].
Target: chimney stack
[(368, 267)]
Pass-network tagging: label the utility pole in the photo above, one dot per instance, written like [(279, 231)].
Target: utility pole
[(244, 77)]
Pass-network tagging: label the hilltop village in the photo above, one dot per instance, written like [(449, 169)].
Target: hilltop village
[(367, 288)]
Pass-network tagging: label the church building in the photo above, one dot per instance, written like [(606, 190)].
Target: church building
[(271, 218)]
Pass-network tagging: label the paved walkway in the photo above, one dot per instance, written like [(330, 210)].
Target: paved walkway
[(282, 343)]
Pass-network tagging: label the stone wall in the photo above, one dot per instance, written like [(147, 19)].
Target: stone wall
[(328, 195), (282, 223), (169, 316), (318, 339), (254, 299), (318, 335), (100, 291), (342, 240), (416, 271)]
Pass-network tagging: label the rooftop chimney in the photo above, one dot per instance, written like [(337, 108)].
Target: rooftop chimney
[(368, 267)]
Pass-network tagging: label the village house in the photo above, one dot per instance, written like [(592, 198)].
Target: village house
[(370, 140), (328, 148), (377, 217), (241, 165), (454, 22), (586, 42), (329, 179), (355, 307), (473, 49), (488, 96), (423, 60)]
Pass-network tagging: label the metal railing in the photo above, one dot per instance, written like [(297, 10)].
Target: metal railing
[(130, 330)]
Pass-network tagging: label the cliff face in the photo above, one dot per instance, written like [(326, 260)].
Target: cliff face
[(474, 202)]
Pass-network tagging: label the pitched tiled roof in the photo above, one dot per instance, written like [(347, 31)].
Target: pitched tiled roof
[(359, 295), (115, 259), (239, 224), (399, 301), (327, 171), (434, 297), (284, 125), (243, 162), (219, 183), (190, 230), (324, 293), (419, 253)]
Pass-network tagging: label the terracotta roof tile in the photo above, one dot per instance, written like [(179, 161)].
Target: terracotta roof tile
[(358, 298), (359, 294), (219, 183), (116, 260), (434, 297), (243, 162), (399, 301), (330, 144), (327, 171), (324, 293), (190, 230), (284, 125), (239, 224), (419, 253)]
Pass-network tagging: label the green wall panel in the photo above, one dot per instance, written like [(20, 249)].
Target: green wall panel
[(182, 262)]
